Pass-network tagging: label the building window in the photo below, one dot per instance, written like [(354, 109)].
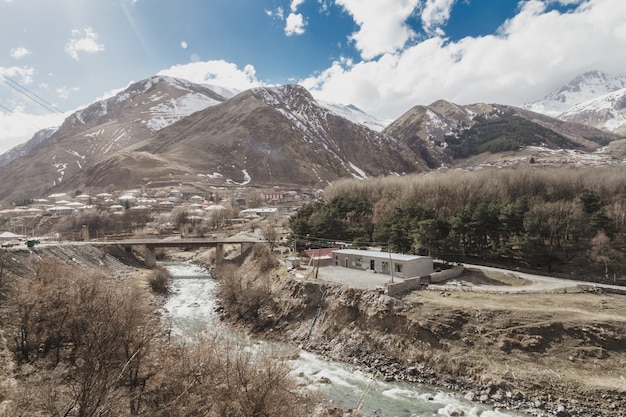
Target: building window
[(398, 267), (384, 266), (358, 262)]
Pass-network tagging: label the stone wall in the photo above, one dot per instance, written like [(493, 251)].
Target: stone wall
[(437, 277), (410, 284)]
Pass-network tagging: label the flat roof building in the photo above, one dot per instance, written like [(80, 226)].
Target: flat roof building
[(402, 266)]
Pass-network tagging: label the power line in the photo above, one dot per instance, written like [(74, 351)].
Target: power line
[(27, 121), (319, 241), (31, 95)]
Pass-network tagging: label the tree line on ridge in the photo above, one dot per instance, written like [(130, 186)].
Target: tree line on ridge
[(554, 219)]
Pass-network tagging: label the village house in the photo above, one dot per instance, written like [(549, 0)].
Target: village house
[(261, 212), (402, 266), (320, 257), (196, 199), (273, 196), (55, 198)]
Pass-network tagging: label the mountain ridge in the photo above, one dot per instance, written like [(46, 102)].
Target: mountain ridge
[(582, 88), (170, 132)]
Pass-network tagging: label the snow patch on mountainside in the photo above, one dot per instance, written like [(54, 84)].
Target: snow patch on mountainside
[(60, 167), (214, 175), (171, 111), (292, 102), (606, 112), (355, 115), (246, 179), (583, 88), (360, 174)]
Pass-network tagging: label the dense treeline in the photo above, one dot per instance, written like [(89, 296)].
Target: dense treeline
[(552, 219), (501, 131)]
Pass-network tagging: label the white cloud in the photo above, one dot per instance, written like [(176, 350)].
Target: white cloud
[(295, 4), (22, 75), (184, 45), (17, 127), (533, 53), (88, 43), (65, 92), (382, 25), (218, 72), (278, 13), (294, 24), (435, 14), (19, 52)]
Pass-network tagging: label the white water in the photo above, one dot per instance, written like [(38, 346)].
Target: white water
[(191, 309)]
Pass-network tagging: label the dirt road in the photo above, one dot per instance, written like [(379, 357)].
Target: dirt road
[(522, 282)]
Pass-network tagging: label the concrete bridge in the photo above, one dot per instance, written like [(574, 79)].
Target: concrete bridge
[(150, 245)]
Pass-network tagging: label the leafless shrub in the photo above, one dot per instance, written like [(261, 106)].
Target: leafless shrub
[(5, 281), (270, 232), (242, 297), (160, 280), (263, 257), (99, 222), (88, 347), (217, 377), (93, 335)]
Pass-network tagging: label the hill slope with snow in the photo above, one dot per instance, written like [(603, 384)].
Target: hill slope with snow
[(583, 88)]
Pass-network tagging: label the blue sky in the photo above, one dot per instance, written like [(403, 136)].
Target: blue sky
[(383, 56)]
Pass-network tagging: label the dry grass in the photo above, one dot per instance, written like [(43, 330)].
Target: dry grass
[(580, 338)]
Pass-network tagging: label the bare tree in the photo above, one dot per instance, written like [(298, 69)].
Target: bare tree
[(601, 250)]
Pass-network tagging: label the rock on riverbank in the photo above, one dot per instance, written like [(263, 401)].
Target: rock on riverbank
[(544, 354)]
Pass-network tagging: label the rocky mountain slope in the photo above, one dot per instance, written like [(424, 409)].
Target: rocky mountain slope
[(164, 132), (279, 135), (25, 148), (448, 134), (99, 131)]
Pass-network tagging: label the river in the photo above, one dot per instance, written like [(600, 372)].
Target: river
[(191, 309)]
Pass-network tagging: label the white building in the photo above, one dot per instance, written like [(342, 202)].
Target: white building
[(403, 266)]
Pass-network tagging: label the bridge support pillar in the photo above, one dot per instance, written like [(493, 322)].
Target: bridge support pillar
[(149, 257), (219, 254), (245, 246)]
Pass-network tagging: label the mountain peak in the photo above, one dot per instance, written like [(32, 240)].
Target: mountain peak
[(290, 95), (582, 88)]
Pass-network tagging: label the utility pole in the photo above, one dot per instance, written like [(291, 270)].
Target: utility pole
[(390, 262)]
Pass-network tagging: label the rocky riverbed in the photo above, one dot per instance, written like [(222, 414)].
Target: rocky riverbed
[(555, 354)]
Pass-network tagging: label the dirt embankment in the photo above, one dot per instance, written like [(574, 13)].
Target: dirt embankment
[(546, 354)]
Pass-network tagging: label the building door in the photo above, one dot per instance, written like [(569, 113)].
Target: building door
[(346, 262), (372, 265)]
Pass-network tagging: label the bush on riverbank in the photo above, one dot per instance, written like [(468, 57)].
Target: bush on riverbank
[(160, 280), (243, 296), (84, 344)]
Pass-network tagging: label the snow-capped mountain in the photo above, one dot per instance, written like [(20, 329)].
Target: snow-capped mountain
[(25, 148), (163, 132), (448, 134), (104, 128), (607, 112), (356, 115), (278, 135), (583, 88)]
